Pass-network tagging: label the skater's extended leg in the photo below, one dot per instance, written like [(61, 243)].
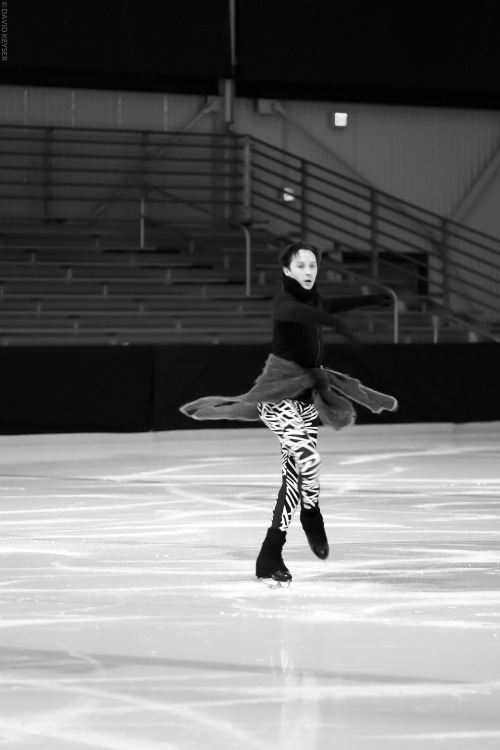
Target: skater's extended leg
[(311, 517), (290, 494), (314, 527)]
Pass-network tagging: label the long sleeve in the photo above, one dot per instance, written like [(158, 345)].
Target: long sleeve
[(342, 304), (287, 309)]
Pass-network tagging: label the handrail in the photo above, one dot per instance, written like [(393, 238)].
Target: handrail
[(371, 228), (443, 312), (364, 187), (382, 193), (115, 138)]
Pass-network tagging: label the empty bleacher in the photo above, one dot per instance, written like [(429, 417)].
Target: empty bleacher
[(115, 295), (95, 250)]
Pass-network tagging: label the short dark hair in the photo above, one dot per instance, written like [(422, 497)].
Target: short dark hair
[(287, 254)]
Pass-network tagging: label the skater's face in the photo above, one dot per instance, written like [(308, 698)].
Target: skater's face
[(303, 268)]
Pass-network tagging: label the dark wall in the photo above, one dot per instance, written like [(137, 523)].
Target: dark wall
[(178, 45), (76, 389), (137, 389), (428, 52)]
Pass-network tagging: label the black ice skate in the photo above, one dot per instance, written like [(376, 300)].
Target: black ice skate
[(270, 568), (314, 527)]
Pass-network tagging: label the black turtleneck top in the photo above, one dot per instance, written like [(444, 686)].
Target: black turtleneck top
[(298, 315)]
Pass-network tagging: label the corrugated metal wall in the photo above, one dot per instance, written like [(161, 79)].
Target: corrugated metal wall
[(428, 156), (84, 108)]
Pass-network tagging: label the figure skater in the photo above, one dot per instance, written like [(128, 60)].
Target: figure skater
[(292, 393)]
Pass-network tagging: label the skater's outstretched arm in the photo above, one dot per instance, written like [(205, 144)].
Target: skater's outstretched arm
[(342, 304), (285, 308)]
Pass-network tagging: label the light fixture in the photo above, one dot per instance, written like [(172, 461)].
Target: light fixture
[(340, 119), (288, 195)]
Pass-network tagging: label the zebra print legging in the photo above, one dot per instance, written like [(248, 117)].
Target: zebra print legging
[(293, 424)]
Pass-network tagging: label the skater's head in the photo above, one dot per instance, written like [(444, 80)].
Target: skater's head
[(300, 261)]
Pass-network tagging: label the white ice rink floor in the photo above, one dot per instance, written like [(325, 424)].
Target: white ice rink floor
[(130, 618)]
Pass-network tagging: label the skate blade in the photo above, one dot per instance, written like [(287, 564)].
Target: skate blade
[(272, 584)]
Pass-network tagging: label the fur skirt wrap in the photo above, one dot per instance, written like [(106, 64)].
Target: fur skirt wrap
[(333, 394)]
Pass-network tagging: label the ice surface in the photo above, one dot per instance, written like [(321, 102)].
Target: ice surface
[(130, 617)]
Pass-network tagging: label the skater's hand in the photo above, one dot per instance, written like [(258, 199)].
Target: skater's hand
[(384, 300)]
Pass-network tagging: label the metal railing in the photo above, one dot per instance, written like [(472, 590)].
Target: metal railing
[(95, 177), (448, 264), (161, 185)]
